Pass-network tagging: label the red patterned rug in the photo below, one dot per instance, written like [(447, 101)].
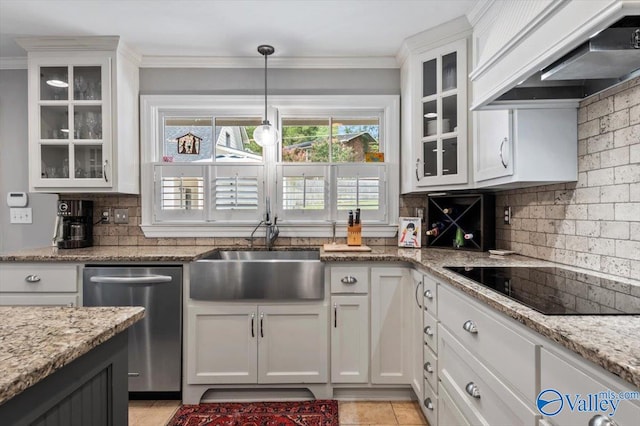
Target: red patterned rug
[(299, 413)]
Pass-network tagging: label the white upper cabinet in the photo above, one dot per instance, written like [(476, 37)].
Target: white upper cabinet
[(434, 110), (83, 115), (524, 147)]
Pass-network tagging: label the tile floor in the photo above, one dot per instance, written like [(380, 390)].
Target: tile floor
[(158, 413)]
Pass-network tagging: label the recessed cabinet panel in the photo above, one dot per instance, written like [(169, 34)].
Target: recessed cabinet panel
[(54, 83), (54, 122), (430, 154), (55, 162), (450, 156), (429, 78), (87, 83)]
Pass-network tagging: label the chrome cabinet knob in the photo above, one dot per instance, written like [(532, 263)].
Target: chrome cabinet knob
[(472, 389), (428, 368), (428, 331), (428, 294), (349, 280), (32, 278), (470, 326), (428, 403), (600, 420)]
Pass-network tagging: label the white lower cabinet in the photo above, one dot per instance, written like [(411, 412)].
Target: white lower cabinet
[(248, 343), (350, 339), (586, 387), (39, 284), (391, 294), (415, 323)]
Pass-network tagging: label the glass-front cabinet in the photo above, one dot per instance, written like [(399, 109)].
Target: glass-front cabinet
[(435, 130), (72, 116), (78, 139)]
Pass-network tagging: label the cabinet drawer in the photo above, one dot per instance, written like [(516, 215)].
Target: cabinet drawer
[(38, 277), (430, 367), (429, 404), (39, 300), (430, 295), (349, 279), (430, 332), (448, 411), (568, 378), (477, 390), (494, 340)]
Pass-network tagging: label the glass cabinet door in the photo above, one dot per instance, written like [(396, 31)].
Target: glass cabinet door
[(442, 91), (71, 115)]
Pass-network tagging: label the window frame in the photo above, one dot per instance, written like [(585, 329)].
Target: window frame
[(387, 107)]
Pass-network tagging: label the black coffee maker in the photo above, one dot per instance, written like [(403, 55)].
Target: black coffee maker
[(74, 225)]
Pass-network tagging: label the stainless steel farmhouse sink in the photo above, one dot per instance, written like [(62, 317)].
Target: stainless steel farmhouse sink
[(245, 274)]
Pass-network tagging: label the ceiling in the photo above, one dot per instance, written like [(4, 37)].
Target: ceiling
[(232, 28)]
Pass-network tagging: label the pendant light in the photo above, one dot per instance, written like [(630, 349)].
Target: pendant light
[(266, 134)]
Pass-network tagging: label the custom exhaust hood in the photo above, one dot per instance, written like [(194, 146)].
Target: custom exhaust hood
[(608, 58)]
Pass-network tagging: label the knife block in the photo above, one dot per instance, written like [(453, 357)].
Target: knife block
[(354, 235)]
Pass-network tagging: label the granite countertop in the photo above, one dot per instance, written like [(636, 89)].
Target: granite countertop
[(613, 342), (37, 341)]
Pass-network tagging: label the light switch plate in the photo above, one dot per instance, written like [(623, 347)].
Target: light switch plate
[(21, 215), (120, 215)]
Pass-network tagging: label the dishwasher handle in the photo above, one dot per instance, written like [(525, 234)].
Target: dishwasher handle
[(146, 279)]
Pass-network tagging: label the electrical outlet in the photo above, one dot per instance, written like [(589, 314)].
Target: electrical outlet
[(120, 215), (507, 215), (106, 216), (21, 215)]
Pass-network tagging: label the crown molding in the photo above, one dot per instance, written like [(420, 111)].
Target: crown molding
[(478, 11), (13, 63), (50, 44), (274, 62), (445, 33)]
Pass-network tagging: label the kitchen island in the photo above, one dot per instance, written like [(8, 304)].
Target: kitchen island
[(68, 365)]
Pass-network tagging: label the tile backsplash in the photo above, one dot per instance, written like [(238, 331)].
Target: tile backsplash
[(593, 223), (130, 234)]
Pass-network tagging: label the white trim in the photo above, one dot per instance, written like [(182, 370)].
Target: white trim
[(276, 62), (286, 230), (478, 11), (13, 63), (57, 43), (532, 26)]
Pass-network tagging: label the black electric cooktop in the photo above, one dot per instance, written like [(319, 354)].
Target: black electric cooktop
[(555, 291)]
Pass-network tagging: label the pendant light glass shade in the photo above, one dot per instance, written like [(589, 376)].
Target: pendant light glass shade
[(265, 134)]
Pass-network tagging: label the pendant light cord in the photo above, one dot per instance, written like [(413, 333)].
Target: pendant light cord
[(265, 121)]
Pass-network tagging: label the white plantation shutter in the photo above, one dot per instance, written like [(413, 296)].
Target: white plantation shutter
[(361, 186), (237, 192), (180, 192), (303, 191)]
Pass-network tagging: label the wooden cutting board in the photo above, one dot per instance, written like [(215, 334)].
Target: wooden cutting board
[(344, 247)]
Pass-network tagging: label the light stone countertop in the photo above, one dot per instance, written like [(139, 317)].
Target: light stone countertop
[(613, 342), (36, 341)]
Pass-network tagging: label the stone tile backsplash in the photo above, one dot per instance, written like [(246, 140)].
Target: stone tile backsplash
[(131, 235), (593, 223)]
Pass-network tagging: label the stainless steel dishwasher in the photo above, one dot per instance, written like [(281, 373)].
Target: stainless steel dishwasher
[(154, 342)]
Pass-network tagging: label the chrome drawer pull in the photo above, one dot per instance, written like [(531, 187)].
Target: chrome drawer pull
[(428, 403), (32, 278), (133, 374), (470, 326), (428, 295), (428, 368), (428, 331), (472, 389), (600, 420), (349, 280)]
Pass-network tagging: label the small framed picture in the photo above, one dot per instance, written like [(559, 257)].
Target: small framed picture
[(409, 232)]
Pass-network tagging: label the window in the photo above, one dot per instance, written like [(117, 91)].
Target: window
[(206, 176)]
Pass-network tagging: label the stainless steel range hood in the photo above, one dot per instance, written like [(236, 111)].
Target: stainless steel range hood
[(608, 58), (612, 54)]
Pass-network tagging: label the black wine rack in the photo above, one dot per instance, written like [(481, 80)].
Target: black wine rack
[(471, 213)]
